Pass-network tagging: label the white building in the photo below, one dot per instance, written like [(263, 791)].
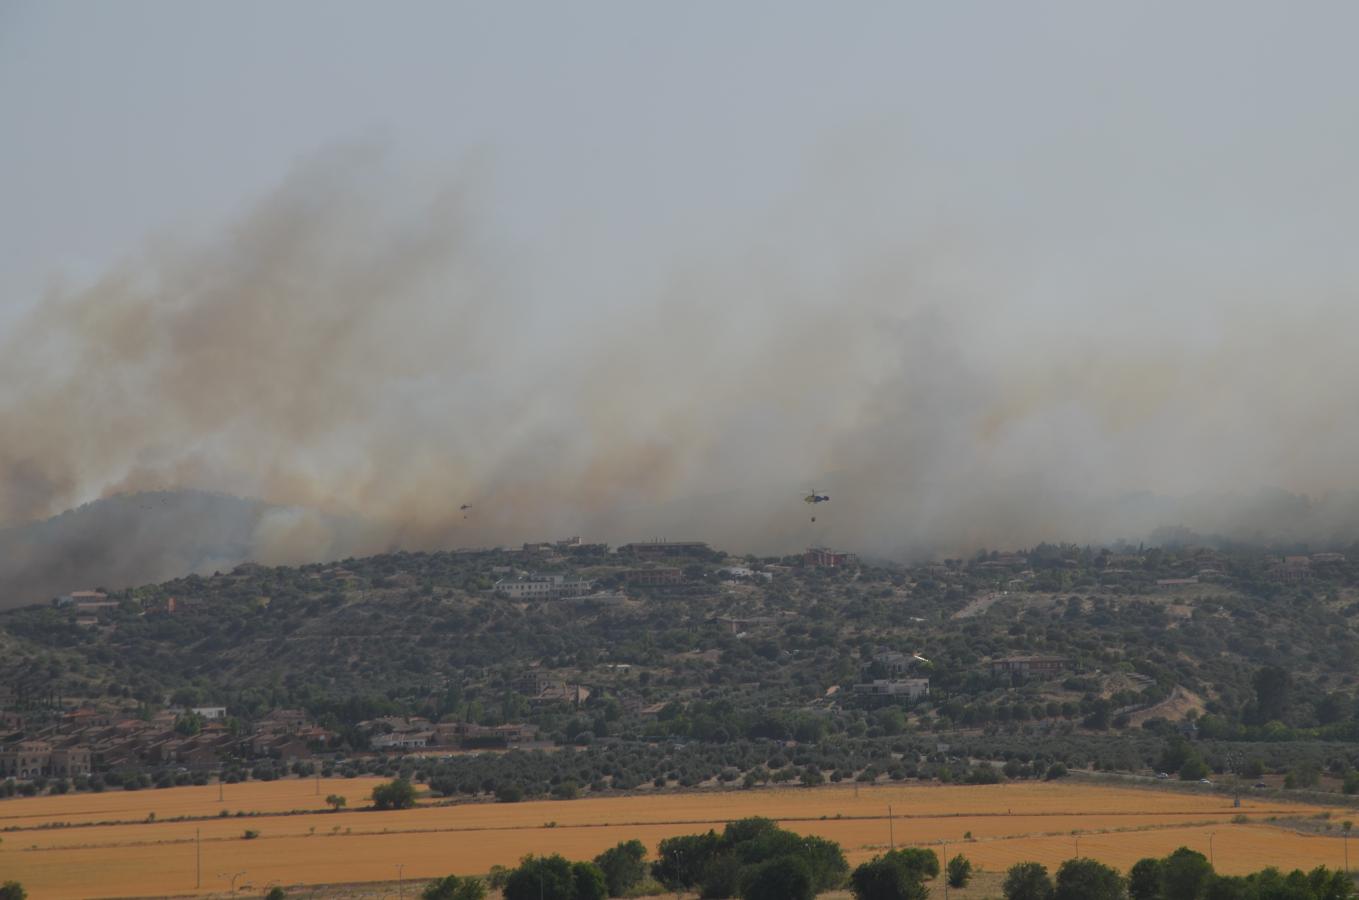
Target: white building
[(544, 587), (400, 740), (910, 688)]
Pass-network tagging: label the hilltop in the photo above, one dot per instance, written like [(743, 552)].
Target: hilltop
[(137, 538)]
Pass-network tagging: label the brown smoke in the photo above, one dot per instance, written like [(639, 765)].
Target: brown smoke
[(343, 351)]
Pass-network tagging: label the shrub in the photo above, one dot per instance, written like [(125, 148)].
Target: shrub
[(398, 794), (1144, 880), (249, 834), (12, 890), (923, 863), (1088, 879), (1027, 881), (784, 878), (623, 866), (553, 878), (884, 879), (959, 871), (452, 887)]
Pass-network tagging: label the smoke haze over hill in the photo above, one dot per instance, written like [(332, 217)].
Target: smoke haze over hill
[(1038, 291), (338, 351)]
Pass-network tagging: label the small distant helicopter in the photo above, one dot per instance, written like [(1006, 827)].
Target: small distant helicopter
[(814, 498), (464, 508)]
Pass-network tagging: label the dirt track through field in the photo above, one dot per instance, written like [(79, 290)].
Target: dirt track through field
[(1006, 824)]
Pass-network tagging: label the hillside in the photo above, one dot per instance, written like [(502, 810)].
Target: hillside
[(1250, 648)]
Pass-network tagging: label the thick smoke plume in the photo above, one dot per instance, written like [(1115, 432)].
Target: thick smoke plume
[(347, 352)]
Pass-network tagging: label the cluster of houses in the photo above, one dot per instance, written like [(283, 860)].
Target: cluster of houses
[(87, 740), (416, 733)]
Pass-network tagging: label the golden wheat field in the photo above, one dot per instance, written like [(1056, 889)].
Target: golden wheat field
[(113, 846)]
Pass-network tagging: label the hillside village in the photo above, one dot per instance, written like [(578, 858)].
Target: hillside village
[(574, 644)]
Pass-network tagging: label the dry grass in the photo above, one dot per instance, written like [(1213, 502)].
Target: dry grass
[(1008, 823)]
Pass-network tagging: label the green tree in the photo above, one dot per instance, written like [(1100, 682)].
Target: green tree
[(1027, 881), (452, 887), (545, 877), (681, 860), (335, 802), (1193, 769), (1088, 879), (959, 871), (784, 878), (885, 879), (587, 882), (398, 794), (1184, 874), (623, 866), (276, 893), (924, 863), (12, 890), (1144, 879)]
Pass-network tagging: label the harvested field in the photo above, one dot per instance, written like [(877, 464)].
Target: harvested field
[(1007, 823), (134, 806)]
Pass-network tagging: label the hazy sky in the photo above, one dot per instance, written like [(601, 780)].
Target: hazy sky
[(1109, 244)]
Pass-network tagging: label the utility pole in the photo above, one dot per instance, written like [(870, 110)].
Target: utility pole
[(1210, 847), (401, 881), (891, 829), (1078, 845), (198, 868), (945, 870)]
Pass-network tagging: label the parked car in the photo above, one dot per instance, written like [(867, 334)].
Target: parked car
[(1162, 774)]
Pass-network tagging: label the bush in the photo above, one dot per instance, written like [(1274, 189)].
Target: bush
[(398, 794), (784, 878), (721, 865), (1144, 880), (12, 890), (509, 793), (923, 863), (885, 879), (959, 871), (249, 834), (1027, 881), (1088, 879), (553, 878), (1184, 875), (623, 866), (276, 893), (452, 887)]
